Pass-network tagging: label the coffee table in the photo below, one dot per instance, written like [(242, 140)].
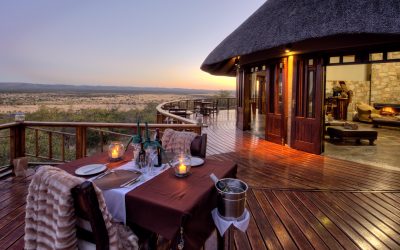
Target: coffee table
[(361, 133)]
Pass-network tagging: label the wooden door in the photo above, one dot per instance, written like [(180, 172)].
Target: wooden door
[(308, 80), (275, 127)]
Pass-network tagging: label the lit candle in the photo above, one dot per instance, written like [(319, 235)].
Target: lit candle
[(114, 153), (182, 169)]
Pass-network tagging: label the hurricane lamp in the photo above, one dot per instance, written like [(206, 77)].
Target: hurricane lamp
[(182, 165), (115, 151)]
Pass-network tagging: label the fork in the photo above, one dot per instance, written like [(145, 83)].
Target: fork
[(103, 174)]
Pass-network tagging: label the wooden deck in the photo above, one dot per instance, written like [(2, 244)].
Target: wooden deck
[(296, 200)]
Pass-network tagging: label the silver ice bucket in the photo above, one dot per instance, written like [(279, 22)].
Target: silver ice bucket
[(231, 200)]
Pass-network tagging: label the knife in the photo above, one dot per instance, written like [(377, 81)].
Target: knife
[(92, 169), (130, 182)]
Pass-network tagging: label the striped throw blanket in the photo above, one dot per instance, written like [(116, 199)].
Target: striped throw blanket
[(50, 222)]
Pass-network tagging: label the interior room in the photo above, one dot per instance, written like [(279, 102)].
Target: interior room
[(364, 97), (258, 102)]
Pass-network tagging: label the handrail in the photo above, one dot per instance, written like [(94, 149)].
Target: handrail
[(106, 125), (162, 113), (8, 125), (173, 116)]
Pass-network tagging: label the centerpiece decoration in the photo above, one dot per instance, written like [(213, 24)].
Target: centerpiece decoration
[(115, 151)]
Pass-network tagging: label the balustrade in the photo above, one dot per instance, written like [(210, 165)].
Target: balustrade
[(26, 139)]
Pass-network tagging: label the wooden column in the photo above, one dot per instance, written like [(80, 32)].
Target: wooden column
[(243, 100), (17, 142), (80, 142)]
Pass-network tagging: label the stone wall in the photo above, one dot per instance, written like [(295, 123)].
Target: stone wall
[(385, 87)]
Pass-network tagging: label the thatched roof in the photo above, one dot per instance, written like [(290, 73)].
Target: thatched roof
[(278, 23)]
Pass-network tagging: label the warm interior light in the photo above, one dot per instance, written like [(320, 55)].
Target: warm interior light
[(287, 50)]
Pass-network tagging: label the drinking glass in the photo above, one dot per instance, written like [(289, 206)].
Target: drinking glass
[(151, 155)]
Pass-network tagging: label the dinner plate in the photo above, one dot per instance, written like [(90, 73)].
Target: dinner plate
[(196, 161), (90, 169)]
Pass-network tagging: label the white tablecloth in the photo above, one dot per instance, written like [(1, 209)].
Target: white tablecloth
[(115, 198)]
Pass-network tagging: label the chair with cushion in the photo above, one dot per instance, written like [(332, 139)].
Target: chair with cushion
[(65, 212), (185, 141)]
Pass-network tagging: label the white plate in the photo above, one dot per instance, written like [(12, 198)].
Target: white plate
[(90, 169), (196, 161)]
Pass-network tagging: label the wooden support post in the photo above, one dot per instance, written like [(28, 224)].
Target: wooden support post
[(80, 142), (160, 118), (17, 142)]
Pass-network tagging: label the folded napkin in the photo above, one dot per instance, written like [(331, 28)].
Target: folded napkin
[(223, 224)]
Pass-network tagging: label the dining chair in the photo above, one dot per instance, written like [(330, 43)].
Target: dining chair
[(91, 228), (198, 147)]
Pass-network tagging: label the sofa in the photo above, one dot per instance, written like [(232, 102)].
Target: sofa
[(366, 113)]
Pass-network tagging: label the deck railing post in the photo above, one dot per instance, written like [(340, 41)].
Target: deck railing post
[(17, 142), (80, 142)]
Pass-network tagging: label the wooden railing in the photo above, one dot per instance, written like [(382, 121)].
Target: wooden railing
[(65, 141), (164, 116)]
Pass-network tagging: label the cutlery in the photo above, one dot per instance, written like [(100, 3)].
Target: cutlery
[(103, 174), (130, 182), (92, 169)]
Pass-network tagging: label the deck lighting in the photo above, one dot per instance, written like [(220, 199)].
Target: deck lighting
[(288, 48)]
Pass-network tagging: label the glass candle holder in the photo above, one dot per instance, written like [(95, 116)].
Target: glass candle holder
[(115, 151), (182, 165)]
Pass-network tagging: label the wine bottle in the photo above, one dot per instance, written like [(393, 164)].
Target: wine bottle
[(142, 156), (159, 158), (147, 132)]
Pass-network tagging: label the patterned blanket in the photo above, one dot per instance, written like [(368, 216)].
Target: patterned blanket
[(50, 222), (177, 141)]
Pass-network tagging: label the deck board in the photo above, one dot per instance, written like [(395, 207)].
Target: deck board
[(296, 200)]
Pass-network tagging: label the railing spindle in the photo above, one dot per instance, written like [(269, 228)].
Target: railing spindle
[(50, 145), (102, 140), (36, 142), (62, 147)]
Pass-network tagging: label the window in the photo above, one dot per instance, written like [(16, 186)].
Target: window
[(349, 59), (393, 55), (311, 93), (375, 57), (334, 59)]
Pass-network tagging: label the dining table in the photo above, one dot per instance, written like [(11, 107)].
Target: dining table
[(204, 108), (175, 208)]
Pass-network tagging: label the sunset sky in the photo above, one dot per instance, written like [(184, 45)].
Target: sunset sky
[(157, 43)]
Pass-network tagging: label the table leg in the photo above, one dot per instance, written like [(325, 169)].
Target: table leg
[(358, 141), (371, 141)]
